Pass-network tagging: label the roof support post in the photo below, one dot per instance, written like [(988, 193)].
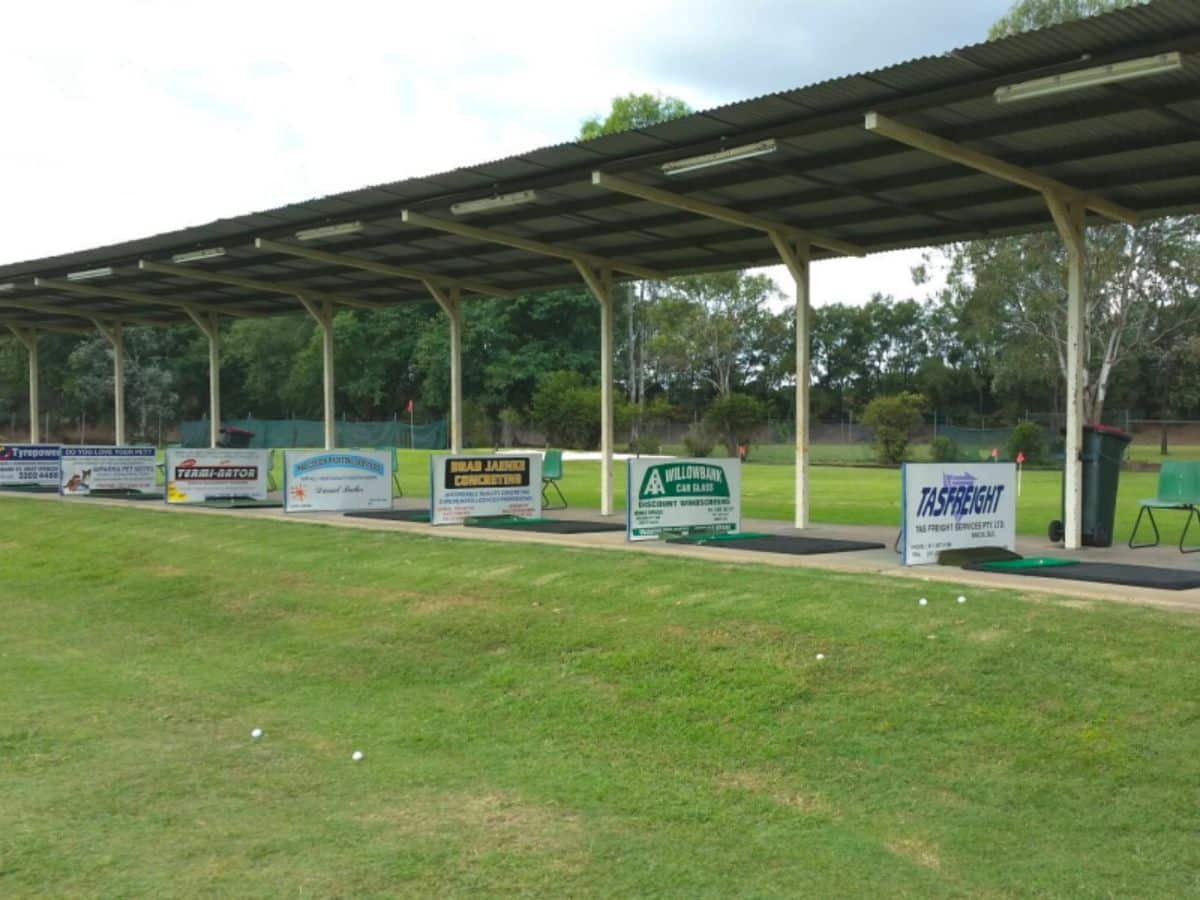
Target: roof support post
[(1068, 216), (451, 303), (29, 337), (209, 324), (323, 313), (112, 332), (600, 283), (796, 256)]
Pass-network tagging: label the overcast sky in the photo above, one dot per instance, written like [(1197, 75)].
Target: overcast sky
[(125, 118)]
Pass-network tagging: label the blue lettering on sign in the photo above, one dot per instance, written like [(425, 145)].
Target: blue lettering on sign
[(338, 461), (959, 495)]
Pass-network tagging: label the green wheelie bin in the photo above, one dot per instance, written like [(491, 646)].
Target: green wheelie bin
[(1103, 447)]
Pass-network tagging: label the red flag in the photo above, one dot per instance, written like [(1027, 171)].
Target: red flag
[(1020, 457), (408, 409)]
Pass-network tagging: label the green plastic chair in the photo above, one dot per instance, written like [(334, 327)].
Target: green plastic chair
[(1178, 488), (552, 473)]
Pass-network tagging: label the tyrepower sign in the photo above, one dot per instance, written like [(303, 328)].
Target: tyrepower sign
[(194, 476), (88, 469), (337, 480), (30, 464), (507, 484), (682, 494), (947, 506)]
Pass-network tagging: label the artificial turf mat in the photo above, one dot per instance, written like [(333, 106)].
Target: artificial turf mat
[(1023, 562), (30, 488), (781, 543), (960, 556), (1110, 573), (241, 503), (549, 526), (395, 515)]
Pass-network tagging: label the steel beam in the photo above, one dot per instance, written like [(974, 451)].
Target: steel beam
[(115, 293), (322, 311), (492, 236), (451, 303), (370, 265), (998, 168), (210, 325), (796, 256), (29, 337), (253, 284), (722, 213), (112, 331), (600, 283), (1068, 216)]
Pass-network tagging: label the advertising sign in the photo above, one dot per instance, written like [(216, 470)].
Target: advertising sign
[(506, 484), (194, 476), (87, 469), (31, 464), (679, 494), (946, 506), (341, 480)]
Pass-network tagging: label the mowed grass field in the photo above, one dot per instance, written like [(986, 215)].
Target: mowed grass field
[(553, 722), (844, 495)]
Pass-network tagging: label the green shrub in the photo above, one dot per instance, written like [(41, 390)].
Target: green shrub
[(645, 444), (1027, 438), (698, 442), (893, 419), (567, 410), (943, 449), (734, 418)]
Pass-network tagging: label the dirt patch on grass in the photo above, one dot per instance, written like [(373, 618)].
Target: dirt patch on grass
[(166, 571), (432, 606), (774, 786), (486, 823), (922, 853), (549, 578)]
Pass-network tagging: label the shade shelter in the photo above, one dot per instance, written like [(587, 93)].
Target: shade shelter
[(1095, 120)]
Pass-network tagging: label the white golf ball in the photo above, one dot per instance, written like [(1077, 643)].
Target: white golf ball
[(256, 733), (922, 601), (962, 599), (356, 755), (820, 656)]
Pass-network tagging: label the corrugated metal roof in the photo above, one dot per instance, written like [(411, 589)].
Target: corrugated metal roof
[(1137, 143)]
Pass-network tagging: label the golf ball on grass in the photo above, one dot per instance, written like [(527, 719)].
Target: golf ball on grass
[(820, 656), (962, 599), (357, 755), (256, 733), (922, 602)]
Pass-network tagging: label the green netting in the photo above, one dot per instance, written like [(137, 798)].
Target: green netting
[(723, 536), (976, 443), (1031, 562), (311, 433)]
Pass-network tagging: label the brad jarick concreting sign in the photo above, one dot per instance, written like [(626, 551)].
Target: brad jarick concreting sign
[(194, 476), (506, 484), (87, 469), (947, 506), (682, 494), (341, 480), (30, 464)]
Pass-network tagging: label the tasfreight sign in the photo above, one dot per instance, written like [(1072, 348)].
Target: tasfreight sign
[(947, 506), (682, 494), (194, 476), (337, 480), (506, 484), (88, 469), (30, 464)]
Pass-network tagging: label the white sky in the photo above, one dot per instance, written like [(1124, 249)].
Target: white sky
[(125, 118)]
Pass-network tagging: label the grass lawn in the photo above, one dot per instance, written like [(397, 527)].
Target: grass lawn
[(555, 722)]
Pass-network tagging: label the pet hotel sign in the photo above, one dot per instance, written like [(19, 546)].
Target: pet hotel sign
[(949, 506), (682, 495), (87, 469), (506, 484)]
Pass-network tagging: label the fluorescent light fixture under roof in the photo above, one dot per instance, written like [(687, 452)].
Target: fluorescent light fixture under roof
[(198, 255), (485, 203), (1093, 77), (313, 234), (102, 272), (8, 286), (733, 154)]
